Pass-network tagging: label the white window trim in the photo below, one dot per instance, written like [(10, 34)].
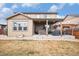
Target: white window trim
[(18, 26)]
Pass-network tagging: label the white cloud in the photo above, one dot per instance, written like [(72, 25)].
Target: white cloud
[(3, 21), (14, 6), (71, 4), (1, 15), (53, 8), (7, 10), (30, 4), (1, 5), (61, 6), (4, 13)]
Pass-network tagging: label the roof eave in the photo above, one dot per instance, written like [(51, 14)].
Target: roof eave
[(18, 14), (38, 12)]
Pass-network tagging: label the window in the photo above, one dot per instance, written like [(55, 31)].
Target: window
[(25, 28), (14, 28), (21, 26)]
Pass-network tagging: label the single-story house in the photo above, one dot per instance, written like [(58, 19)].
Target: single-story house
[(28, 24)]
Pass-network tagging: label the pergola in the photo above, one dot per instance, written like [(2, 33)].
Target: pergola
[(71, 26)]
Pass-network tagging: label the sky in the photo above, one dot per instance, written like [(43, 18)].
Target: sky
[(8, 9)]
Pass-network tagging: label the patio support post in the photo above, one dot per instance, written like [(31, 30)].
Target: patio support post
[(72, 30), (61, 29), (46, 27)]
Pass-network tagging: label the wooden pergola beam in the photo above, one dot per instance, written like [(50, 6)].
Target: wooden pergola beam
[(69, 25)]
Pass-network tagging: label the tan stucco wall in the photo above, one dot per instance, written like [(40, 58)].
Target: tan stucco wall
[(29, 30)]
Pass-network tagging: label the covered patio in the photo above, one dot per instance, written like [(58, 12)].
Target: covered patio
[(43, 26)]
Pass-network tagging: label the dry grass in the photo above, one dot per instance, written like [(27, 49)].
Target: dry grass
[(49, 47)]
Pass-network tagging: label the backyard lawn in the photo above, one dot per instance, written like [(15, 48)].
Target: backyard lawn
[(35, 48)]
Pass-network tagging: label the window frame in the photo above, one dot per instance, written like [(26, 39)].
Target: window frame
[(18, 27)]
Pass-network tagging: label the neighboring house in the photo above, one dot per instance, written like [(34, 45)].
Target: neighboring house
[(28, 24), (70, 25), (72, 22), (2, 29)]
